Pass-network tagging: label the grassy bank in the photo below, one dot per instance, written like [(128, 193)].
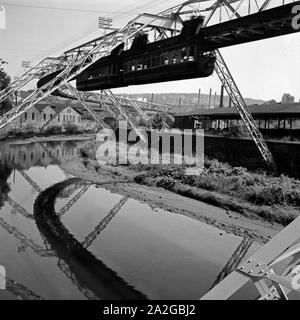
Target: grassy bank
[(273, 198), (29, 131)]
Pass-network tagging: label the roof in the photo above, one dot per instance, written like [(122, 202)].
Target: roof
[(41, 106), (266, 110), (58, 108), (103, 114)]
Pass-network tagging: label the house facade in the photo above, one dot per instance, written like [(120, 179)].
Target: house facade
[(41, 116), (66, 114)]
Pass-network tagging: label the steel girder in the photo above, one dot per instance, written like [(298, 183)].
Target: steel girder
[(239, 103), (284, 248)]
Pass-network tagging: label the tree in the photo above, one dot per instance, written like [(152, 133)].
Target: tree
[(160, 120), (4, 83)]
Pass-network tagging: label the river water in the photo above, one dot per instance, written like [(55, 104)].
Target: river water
[(65, 238)]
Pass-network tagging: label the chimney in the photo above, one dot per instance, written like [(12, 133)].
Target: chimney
[(199, 97), (209, 99), (222, 96)]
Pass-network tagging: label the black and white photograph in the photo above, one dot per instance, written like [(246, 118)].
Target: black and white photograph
[(149, 153)]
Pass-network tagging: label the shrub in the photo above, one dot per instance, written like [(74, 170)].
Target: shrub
[(22, 131), (53, 129), (71, 128), (14, 132)]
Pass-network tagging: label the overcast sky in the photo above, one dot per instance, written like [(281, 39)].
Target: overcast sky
[(263, 69)]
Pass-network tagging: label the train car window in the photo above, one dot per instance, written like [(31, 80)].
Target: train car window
[(164, 59), (173, 56), (154, 58), (146, 62), (191, 51), (188, 52), (139, 64), (183, 54), (157, 61)]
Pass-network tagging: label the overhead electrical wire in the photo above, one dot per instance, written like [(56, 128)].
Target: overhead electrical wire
[(89, 30), (124, 13)]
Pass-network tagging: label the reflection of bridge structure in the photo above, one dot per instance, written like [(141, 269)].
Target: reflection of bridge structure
[(58, 242), (84, 270), (68, 187), (234, 260), (26, 241), (46, 252), (103, 223), (20, 291), (31, 182)]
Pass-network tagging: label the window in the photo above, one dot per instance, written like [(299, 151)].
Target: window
[(58, 118), (32, 115), (78, 118), (64, 118), (73, 118), (25, 115), (44, 116), (51, 115)]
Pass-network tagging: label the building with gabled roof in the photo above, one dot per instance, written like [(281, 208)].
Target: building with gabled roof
[(43, 115)]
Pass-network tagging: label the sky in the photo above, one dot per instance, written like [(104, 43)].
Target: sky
[(262, 70)]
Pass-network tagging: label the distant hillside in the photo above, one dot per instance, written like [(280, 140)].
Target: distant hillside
[(188, 101)]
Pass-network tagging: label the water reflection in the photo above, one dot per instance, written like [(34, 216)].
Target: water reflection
[(78, 263), (145, 253), (25, 156), (234, 261)]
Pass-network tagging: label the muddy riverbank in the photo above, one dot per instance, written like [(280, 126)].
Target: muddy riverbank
[(228, 221)]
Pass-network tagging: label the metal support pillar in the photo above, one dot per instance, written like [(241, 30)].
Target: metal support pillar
[(239, 103)]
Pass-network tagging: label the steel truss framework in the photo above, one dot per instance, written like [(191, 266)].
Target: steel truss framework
[(238, 101), (273, 269), (69, 66), (160, 26)]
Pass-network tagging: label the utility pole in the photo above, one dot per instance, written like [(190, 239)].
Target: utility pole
[(215, 97), (179, 104), (199, 97), (209, 98), (222, 96)]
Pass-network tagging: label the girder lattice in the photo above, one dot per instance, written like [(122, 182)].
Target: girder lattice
[(163, 25), (239, 103)]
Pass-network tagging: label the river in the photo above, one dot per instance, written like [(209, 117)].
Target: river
[(65, 238)]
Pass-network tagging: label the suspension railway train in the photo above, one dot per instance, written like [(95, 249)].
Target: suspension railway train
[(187, 55), (176, 58)]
